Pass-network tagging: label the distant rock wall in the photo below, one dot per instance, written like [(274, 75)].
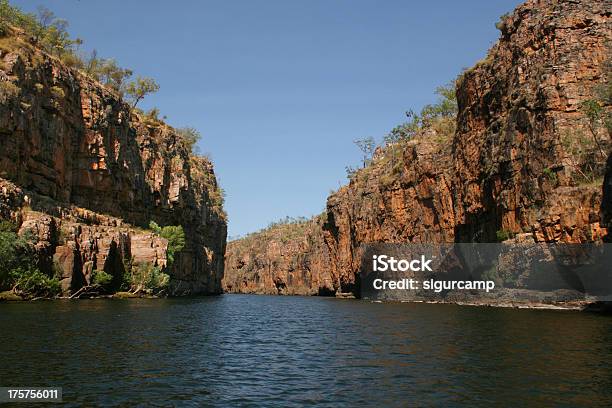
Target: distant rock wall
[(286, 259), (97, 172)]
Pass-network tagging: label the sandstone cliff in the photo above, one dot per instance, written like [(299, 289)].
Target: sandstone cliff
[(526, 160), (88, 175), (288, 258)]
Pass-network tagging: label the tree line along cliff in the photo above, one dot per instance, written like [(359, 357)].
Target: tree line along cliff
[(84, 175), (526, 156)]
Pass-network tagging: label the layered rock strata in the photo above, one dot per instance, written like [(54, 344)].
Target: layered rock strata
[(79, 166), (285, 259)]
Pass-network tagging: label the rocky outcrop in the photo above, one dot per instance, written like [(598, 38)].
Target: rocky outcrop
[(522, 138), (526, 159), (288, 258), (606, 205), (404, 195), (98, 173), (514, 165)]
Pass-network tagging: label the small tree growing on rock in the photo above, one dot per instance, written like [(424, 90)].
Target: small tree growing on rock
[(190, 136), (367, 146), (175, 236), (139, 88), (110, 74)]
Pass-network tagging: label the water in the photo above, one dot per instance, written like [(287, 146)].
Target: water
[(241, 350)]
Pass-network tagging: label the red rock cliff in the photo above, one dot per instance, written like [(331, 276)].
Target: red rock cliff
[(524, 159), (285, 259), (85, 172)]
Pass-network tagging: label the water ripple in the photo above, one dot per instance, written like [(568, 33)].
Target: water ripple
[(241, 350)]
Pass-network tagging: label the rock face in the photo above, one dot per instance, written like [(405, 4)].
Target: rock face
[(525, 159), (513, 167), (406, 195), (76, 155), (606, 205), (286, 259), (521, 136)]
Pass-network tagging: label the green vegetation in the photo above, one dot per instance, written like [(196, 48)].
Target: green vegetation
[(176, 240), (50, 33), (284, 230), (504, 235), (435, 122), (20, 276), (175, 236), (367, 145), (190, 137), (47, 31), (287, 220), (587, 149), (107, 72), (34, 283), (147, 277), (150, 117), (142, 277), (594, 109), (440, 117), (8, 90), (102, 278), (583, 158), (138, 89), (57, 92), (550, 175), (19, 272), (502, 24), (215, 195)]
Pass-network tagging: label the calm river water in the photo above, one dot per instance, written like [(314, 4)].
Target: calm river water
[(242, 350)]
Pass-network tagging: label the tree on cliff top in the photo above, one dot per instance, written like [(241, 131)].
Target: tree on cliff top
[(138, 89), (51, 34), (190, 137), (111, 74), (439, 119), (46, 29), (367, 145), (439, 116)]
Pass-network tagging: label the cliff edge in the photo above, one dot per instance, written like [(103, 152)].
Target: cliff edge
[(86, 174)]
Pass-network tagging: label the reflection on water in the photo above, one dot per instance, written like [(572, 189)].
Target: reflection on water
[(282, 351)]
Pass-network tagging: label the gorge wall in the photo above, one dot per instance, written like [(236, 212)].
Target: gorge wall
[(86, 174), (288, 258), (526, 161)]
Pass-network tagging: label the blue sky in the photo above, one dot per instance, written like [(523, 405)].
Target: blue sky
[(279, 89)]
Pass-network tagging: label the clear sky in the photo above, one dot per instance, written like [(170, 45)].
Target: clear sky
[(279, 89)]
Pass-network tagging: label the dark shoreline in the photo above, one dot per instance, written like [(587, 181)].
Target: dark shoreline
[(590, 306)]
